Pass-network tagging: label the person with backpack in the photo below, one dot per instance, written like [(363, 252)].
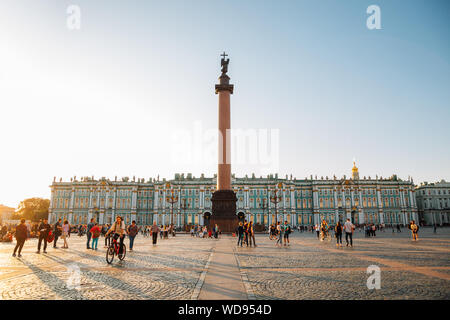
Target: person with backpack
[(95, 232), (21, 236), (88, 233), (132, 232), (44, 230), (287, 232)]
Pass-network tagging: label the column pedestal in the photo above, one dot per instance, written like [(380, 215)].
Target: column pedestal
[(224, 211)]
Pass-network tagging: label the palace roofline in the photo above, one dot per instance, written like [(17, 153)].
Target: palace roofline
[(180, 179)]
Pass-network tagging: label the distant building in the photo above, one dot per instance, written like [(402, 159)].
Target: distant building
[(433, 202), (6, 212), (301, 202)]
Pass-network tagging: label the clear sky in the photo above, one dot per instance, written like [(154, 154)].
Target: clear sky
[(112, 98)]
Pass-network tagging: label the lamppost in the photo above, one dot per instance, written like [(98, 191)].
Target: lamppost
[(263, 207), (184, 207), (171, 199), (275, 199)]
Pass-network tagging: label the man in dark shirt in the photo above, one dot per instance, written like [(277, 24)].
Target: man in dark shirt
[(44, 229), (88, 233), (58, 231), (21, 236)]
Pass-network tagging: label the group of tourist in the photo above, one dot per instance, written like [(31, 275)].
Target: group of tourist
[(322, 231), (280, 232), (203, 231), (48, 233), (370, 230), (246, 233)]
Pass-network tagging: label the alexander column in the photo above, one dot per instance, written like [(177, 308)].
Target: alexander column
[(224, 199)]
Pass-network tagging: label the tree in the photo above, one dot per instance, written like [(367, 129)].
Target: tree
[(34, 209)]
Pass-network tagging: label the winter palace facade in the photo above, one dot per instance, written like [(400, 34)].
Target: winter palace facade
[(185, 200)]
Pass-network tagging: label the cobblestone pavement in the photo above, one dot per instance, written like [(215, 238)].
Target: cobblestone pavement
[(310, 269), (307, 269)]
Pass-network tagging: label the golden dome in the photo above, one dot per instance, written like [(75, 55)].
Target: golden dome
[(354, 169)]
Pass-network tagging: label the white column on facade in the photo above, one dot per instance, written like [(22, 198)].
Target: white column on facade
[(201, 199), (179, 199), (315, 206), (155, 199), (414, 205), (50, 209), (71, 204), (114, 205), (380, 203), (90, 204), (164, 201), (293, 208), (336, 207), (133, 199), (361, 210)]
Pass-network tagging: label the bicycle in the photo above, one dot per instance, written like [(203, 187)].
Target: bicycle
[(113, 250), (325, 235)]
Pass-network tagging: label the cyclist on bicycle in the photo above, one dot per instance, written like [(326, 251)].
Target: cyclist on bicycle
[(118, 227)]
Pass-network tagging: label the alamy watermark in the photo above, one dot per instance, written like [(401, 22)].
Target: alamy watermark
[(256, 147), (73, 21), (374, 280), (74, 280), (374, 20)]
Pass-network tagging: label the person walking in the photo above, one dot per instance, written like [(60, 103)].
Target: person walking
[(349, 228), (216, 231), (251, 234), (44, 229), (89, 234), (317, 231), (246, 232), (338, 234), (21, 236), (240, 232), (287, 232), (414, 231), (107, 237), (323, 230), (65, 233), (154, 230), (95, 232), (132, 232), (272, 232), (280, 232), (57, 231)]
